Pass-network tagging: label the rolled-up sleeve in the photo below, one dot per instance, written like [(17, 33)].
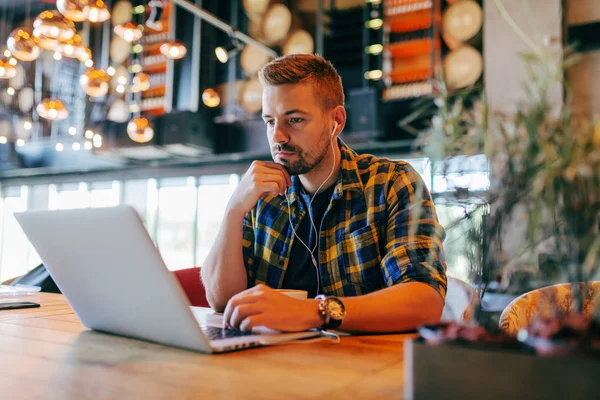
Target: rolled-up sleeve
[(414, 250)]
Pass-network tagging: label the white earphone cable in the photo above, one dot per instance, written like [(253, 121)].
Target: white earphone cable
[(318, 233)]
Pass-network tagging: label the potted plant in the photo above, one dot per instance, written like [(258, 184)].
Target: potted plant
[(544, 164)]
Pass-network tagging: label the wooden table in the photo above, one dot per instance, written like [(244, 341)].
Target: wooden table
[(47, 353)]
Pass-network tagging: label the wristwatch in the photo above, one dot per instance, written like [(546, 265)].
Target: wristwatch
[(331, 311)]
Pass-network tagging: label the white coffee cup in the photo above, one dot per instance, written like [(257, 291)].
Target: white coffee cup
[(296, 294)]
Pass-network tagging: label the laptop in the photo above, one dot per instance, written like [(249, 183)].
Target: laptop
[(111, 273)]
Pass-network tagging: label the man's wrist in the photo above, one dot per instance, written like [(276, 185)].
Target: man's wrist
[(235, 213), (313, 319)]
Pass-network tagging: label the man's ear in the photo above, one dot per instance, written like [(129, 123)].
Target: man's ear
[(339, 117)]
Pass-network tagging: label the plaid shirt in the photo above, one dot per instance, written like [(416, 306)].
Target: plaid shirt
[(370, 237)]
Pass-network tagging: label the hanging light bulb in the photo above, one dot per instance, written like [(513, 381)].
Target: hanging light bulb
[(52, 24), (75, 10), (174, 50), (52, 109), (98, 11), (211, 98), (139, 130), (95, 82), (85, 56), (72, 48), (141, 83), (7, 70), (23, 45), (129, 31), (45, 42)]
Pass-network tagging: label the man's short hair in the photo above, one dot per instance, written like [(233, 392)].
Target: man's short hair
[(306, 68)]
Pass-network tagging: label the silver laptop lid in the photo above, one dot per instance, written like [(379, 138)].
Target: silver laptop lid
[(113, 276)]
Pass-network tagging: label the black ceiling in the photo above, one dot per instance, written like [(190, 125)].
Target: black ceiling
[(18, 10)]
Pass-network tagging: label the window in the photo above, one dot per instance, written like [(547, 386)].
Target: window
[(14, 244), (214, 193), (177, 205), (105, 194)]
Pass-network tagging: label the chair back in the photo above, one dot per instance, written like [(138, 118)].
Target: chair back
[(189, 279), (544, 302), (461, 302)]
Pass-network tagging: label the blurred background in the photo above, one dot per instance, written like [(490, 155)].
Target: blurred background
[(156, 103)]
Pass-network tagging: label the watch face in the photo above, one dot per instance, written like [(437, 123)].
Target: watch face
[(336, 309)]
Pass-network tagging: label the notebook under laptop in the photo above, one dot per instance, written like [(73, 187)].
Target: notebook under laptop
[(110, 271)]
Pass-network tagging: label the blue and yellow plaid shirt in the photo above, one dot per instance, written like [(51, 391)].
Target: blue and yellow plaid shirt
[(379, 230)]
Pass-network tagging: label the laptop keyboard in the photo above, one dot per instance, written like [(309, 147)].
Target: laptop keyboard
[(215, 333)]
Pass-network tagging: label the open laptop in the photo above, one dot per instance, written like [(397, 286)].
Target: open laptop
[(108, 268)]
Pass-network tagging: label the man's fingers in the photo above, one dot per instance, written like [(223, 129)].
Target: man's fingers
[(269, 187), (246, 297), (272, 177), (279, 167), (250, 322), (242, 312)]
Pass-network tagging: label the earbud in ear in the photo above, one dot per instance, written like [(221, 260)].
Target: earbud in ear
[(335, 125)]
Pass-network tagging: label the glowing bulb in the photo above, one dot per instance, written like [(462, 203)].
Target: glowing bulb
[(139, 130), (22, 44), (12, 61), (68, 50), (374, 23), (173, 50), (88, 145), (10, 91), (135, 68), (97, 141), (374, 49), (120, 89), (110, 71), (57, 56), (72, 131), (221, 54), (122, 80), (52, 109), (59, 147), (3, 140), (89, 63), (375, 74), (54, 31), (76, 146), (93, 15), (210, 98), (27, 125), (98, 11), (89, 134), (138, 48), (20, 142)]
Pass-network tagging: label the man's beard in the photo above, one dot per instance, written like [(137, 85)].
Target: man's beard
[(302, 165)]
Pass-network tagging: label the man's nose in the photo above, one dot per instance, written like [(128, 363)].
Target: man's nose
[(280, 136)]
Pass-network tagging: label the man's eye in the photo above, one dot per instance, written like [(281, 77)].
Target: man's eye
[(269, 122), (296, 120)]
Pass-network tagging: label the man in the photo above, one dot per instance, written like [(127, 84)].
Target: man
[(359, 230)]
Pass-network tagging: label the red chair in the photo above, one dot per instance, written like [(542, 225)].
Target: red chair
[(189, 279)]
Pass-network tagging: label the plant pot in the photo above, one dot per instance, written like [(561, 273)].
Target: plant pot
[(462, 371)]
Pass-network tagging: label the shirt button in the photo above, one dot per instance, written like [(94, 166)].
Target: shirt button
[(281, 261)]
